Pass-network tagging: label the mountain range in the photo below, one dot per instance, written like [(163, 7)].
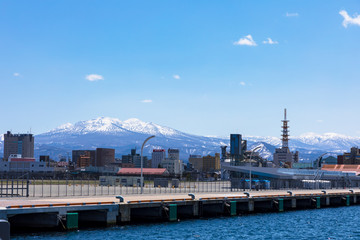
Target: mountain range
[(125, 135)]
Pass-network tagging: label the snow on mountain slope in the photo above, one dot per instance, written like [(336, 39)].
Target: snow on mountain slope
[(124, 135), (269, 140), (106, 125), (135, 125), (98, 125), (328, 141)]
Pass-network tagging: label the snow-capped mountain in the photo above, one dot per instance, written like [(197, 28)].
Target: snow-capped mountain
[(124, 135), (327, 141), (113, 126)]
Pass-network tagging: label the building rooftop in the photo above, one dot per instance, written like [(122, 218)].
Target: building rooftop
[(352, 168), (146, 171)]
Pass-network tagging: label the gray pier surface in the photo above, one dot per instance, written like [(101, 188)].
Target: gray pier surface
[(70, 213)]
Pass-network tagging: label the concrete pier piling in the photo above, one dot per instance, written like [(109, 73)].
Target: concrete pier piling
[(4, 230), (73, 214)]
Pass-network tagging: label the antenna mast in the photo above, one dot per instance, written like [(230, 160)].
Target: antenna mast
[(285, 132)]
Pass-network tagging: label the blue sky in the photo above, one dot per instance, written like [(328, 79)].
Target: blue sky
[(190, 65)]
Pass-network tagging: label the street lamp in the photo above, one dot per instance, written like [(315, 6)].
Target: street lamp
[(252, 151), (141, 159)]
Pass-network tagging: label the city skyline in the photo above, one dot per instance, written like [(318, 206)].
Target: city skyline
[(199, 67)]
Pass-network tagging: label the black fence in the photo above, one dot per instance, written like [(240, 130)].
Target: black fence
[(14, 187), (24, 186)]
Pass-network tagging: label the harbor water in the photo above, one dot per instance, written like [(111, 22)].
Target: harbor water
[(329, 223)]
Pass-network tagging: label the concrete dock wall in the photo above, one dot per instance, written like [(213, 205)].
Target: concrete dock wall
[(166, 209)]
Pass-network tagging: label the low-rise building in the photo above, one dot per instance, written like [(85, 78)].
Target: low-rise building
[(135, 159), (352, 157), (147, 172), (283, 157), (211, 163), (206, 163), (175, 167), (197, 162), (45, 159), (16, 163)]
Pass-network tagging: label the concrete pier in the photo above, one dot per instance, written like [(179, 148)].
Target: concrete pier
[(4, 230), (71, 213)]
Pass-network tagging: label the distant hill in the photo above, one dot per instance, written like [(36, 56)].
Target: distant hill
[(124, 135)]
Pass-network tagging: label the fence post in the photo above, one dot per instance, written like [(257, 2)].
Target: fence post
[(22, 187), (7, 186), (66, 186), (95, 185), (27, 188), (34, 187), (12, 187), (17, 186)]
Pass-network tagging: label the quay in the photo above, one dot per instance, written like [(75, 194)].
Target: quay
[(72, 213)]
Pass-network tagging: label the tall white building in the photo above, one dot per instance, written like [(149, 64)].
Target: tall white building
[(158, 155)]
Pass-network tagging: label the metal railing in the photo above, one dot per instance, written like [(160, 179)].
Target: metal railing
[(14, 187), (71, 187), (91, 187)]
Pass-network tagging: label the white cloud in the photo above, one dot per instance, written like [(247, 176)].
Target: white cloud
[(94, 77), (242, 83), (247, 41), (292, 14), (320, 121), (176, 76), (270, 41), (349, 20), (147, 101), (16, 74)]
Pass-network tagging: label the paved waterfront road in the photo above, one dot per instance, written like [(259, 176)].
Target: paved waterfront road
[(4, 202)]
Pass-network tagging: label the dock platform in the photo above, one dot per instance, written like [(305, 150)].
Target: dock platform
[(72, 213)]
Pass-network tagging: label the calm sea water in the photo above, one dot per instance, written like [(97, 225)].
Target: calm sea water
[(330, 223)]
